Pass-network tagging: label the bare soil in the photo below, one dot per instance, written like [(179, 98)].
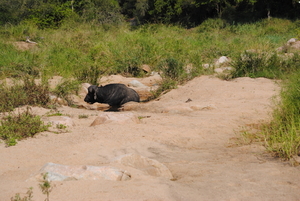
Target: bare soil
[(192, 130)]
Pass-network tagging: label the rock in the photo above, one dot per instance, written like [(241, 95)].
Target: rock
[(22, 45), (222, 60), (96, 106), (147, 165), (296, 45), (291, 41), (223, 69), (83, 89), (58, 172), (116, 117), (146, 68), (206, 66), (135, 83), (60, 120), (56, 100), (131, 106)]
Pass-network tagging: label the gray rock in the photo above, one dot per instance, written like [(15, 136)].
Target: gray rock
[(147, 165), (207, 66), (223, 69), (135, 83), (58, 172), (291, 41), (222, 60)]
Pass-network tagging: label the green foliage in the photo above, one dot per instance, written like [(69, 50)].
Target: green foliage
[(49, 15), (165, 86), (19, 126), (26, 92), (172, 69), (28, 196), (282, 134), (15, 63), (211, 25), (45, 186), (104, 12), (65, 89), (269, 65), (83, 116), (89, 74)]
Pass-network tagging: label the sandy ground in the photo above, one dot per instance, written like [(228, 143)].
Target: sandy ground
[(194, 139)]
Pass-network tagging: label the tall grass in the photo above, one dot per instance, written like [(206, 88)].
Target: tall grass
[(283, 133), (76, 47)]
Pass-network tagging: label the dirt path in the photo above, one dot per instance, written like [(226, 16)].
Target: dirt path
[(192, 138)]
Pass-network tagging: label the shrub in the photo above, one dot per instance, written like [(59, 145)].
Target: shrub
[(172, 69), (211, 25), (65, 89), (90, 74), (26, 92), (19, 126)]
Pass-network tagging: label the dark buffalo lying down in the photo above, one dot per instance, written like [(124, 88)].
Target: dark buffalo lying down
[(113, 94)]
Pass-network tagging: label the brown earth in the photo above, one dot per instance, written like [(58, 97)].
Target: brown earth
[(191, 130)]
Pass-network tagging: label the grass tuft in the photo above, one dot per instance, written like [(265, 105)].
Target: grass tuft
[(283, 133)]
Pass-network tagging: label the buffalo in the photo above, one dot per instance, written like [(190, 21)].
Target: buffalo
[(113, 94)]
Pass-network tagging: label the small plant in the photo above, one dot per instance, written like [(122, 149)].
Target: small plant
[(165, 86), (19, 126), (65, 89), (83, 116), (61, 126), (45, 186), (28, 196), (54, 113)]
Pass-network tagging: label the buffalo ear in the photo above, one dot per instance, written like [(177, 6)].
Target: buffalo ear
[(92, 88)]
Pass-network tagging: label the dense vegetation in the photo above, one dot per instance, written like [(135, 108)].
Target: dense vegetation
[(86, 39), (188, 13)]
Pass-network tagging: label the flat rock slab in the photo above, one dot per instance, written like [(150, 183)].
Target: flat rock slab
[(147, 165), (58, 172), (116, 117), (59, 120)]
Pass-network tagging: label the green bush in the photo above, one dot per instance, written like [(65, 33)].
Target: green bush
[(19, 126), (211, 25), (172, 69), (24, 92), (65, 89)]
